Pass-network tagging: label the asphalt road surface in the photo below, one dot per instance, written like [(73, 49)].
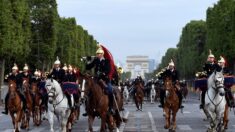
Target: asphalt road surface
[(149, 120)]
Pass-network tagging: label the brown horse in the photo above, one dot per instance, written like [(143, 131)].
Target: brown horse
[(37, 99), (184, 89), (226, 114), (97, 103), (29, 104), (75, 112), (15, 105), (171, 105), (139, 95)]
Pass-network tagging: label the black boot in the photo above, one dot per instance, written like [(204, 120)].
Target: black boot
[(202, 99), (24, 102), (6, 100), (180, 99), (111, 104), (69, 100), (162, 96)]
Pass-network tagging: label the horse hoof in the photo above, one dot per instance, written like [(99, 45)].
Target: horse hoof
[(166, 127)]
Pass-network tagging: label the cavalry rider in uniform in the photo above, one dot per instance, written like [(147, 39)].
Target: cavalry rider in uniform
[(226, 72), (26, 74), (15, 76), (58, 74), (173, 73), (209, 67), (70, 76), (102, 72)]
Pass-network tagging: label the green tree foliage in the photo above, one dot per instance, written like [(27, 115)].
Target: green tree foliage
[(31, 31), (14, 31), (221, 30), (44, 19), (190, 57)]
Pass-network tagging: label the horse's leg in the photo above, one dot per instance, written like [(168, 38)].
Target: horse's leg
[(90, 122), (167, 118), (225, 119), (51, 120), (69, 120), (136, 103), (174, 120), (64, 120)]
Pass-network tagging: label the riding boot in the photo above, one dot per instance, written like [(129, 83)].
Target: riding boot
[(202, 99), (69, 100), (111, 104), (24, 102), (180, 99), (6, 100), (162, 96), (230, 98)]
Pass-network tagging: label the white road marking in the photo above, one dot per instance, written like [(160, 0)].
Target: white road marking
[(152, 122), (187, 112), (184, 127)]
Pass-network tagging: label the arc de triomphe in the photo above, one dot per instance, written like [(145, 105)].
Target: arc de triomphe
[(137, 65)]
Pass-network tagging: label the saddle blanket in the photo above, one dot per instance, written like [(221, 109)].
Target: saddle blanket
[(202, 83), (70, 87)]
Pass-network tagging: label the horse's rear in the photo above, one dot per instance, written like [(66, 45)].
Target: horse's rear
[(139, 96), (15, 105), (37, 99), (118, 105)]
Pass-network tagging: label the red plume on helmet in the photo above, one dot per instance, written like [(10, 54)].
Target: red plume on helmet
[(109, 56)]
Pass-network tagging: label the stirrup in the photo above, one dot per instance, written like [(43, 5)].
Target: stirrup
[(84, 114)]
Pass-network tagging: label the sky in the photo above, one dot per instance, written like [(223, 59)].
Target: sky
[(135, 27)]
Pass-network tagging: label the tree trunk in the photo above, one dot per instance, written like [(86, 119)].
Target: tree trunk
[(2, 69)]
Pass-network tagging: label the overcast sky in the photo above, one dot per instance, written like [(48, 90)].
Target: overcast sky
[(135, 27)]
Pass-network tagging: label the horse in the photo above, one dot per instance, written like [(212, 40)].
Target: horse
[(226, 114), (171, 104), (37, 99), (184, 89), (57, 105), (139, 95), (97, 103), (215, 101), (126, 95), (152, 93), (15, 105), (29, 104)]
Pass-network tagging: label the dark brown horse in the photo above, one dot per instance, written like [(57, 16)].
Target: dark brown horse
[(171, 105), (139, 95), (97, 103), (184, 89), (225, 118), (29, 104), (37, 99), (15, 105)]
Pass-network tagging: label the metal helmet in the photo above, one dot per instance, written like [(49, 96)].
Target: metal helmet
[(222, 60), (26, 68), (15, 67), (99, 50), (171, 63), (65, 67), (210, 54), (57, 62)]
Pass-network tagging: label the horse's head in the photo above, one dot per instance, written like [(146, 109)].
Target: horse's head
[(12, 88), (86, 83), (25, 84), (52, 89), (34, 87), (216, 81), (168, 85)]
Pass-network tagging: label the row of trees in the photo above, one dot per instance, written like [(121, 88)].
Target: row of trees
[(216, 33), (31, 31)]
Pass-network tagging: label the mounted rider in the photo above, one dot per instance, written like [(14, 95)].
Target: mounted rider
[(58, 74), (15, 76), (26, 74), (229, 96), (104, 69), (173, 73), (209, 67)]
